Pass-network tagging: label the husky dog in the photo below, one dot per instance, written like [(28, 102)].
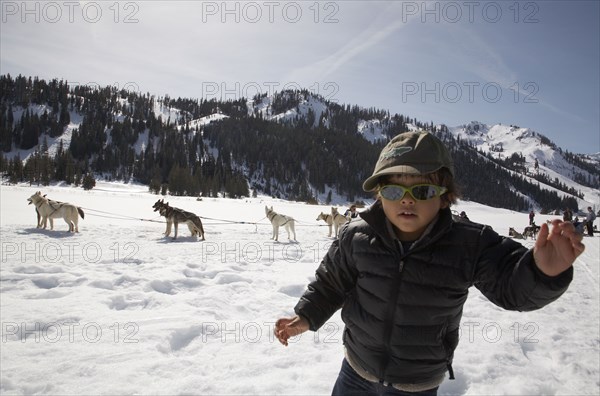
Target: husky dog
[(48, 209), (514, 234), (279, 220), (334, 219), (531, 231), (37, 212), (174, 216)]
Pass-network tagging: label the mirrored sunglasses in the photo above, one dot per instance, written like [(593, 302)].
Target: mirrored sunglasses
[(420, 192)]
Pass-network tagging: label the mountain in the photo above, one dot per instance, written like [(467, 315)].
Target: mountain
[(291, 144), (534, 157)]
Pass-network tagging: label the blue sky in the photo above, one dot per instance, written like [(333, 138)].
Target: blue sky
[(535, 64)]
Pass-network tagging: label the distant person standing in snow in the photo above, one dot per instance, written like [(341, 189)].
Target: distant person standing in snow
[(567, 215), (351, 212), (402, 271), (589, 221), (531, 218)]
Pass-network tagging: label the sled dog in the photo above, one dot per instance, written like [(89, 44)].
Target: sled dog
[(278, 220), (531, 231), (334, 219), (37, 212), (514, 234), (50, 210), (174, 216)]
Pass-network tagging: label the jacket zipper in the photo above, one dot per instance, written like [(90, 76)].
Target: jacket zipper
[(389, 318)]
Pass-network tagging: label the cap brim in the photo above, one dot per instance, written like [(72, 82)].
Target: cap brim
[(371, 183)]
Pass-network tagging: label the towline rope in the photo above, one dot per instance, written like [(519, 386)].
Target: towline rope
[(117, 216)]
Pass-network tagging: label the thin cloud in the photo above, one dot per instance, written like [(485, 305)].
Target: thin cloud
[(360, 44)]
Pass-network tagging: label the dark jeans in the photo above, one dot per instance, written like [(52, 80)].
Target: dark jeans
[(590, 227), (349, 383)]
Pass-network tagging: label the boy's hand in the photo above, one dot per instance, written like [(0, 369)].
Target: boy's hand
[(290, 327), (555, 251)]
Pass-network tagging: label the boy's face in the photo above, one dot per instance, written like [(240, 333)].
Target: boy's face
[(409, 216)]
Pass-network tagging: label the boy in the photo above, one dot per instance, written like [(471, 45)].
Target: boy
[(401, 274)]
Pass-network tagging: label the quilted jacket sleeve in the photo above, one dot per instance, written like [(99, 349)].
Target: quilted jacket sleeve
[(334, 278), (507, 275)]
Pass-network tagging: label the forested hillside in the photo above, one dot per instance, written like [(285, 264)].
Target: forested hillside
[(292, 145)]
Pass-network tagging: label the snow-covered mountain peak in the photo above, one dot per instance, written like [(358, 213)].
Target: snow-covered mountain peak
[(475, 128), (373, 130), (288, 107), (498, 138)]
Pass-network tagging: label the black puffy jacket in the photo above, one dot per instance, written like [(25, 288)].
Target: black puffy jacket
[(402, 310)]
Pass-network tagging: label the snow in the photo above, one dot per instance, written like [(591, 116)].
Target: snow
[(306, 103), (53, 143), (119, 309), (372, 130), (203, 121), (170, 114), (527, 143)]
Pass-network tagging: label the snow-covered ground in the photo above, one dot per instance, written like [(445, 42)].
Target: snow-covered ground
[(120, 309)]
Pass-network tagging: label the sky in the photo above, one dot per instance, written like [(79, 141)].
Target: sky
[(534, 64), (120, 309)]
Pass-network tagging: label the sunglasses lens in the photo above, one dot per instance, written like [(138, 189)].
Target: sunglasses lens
[(420, 192), (392, 193), (423, 192)]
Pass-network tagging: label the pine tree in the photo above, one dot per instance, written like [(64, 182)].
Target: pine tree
[(3, 165), (88, 182), (46, 165), (69, 170), (78, 177)]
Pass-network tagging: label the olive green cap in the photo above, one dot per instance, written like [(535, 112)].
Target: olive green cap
[(413, 153)]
